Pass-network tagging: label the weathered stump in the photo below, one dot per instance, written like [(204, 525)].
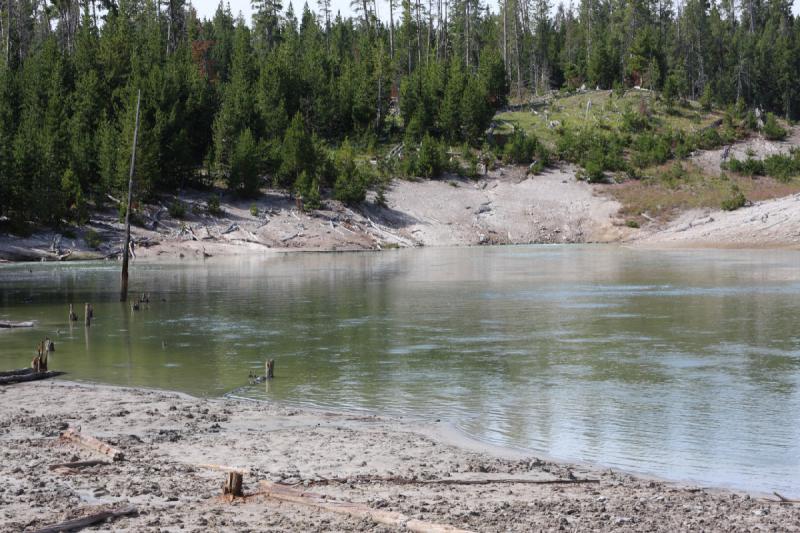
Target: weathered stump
[(72, 316), (271, 369), (233, 485), (87, 313)]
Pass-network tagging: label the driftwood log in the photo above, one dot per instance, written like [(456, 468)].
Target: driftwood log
[(358, 510), (28, 374), (78, 464), (80, 523), (91, 443), (783, 499), (9, 324), (399, 480)]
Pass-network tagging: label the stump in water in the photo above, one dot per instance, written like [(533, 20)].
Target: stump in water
[(72, 316), (135, 305), (271, 369), (233, 485), (87, 313), (90, 310), (39, 363)]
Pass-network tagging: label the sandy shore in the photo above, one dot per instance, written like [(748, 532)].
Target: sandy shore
[(505, 207), (165, 436)]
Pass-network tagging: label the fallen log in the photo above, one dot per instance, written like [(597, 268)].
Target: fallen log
[(30, 376), (783, 499), (399, 480), (80, 523), (18, 372), (358, 510), (78, 464), (9, 324), (91, 443)]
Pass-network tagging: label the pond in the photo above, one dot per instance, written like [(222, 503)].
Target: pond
[(681, 364)]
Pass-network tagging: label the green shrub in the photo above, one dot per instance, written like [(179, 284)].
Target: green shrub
[(471, 161), (254, 210), (92, 239), (635, 122), (593, 172), (351, 180), (707, 98), (772, 130), (212, 205), (650, 149), (632, 224), (244, 174), (708, 138), (749, 167), (177, 209), (307, 187), (584, 145), (783, 167), (734, 201), (429, 161), (522, 149)]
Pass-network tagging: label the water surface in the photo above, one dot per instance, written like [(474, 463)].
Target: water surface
[(684, 365)]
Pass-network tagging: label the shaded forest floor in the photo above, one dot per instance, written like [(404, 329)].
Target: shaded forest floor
[(167, 437)]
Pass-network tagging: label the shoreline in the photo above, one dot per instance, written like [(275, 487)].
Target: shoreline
[(165, 436)]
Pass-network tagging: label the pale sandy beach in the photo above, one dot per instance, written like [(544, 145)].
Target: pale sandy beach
[(165, 437)]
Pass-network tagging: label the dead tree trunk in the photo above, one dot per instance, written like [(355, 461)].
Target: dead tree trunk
[(87, 315), (271, 369), (123, 292), (72, 316)]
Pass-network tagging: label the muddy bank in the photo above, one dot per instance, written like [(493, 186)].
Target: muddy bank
[(166, 436)]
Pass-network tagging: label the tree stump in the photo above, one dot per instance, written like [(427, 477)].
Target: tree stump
[(271, 369), (233, 485), (87, 313), (72, 316)]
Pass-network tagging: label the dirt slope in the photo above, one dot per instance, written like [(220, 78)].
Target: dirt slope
[(505, 207)]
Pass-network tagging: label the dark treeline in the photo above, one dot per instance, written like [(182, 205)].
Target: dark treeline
[(286, 99)]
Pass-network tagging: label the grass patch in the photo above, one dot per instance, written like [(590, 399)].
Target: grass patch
[(666, 190)]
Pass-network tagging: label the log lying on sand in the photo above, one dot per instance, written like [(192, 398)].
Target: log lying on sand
[(399, 480), (80, 523), (78, 464), (358, 510), (27, 374), (10, 324), (92, 443)]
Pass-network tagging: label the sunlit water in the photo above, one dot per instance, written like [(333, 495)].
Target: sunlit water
[(684, 365)]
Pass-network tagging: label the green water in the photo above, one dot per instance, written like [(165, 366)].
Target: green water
[(680, 364)]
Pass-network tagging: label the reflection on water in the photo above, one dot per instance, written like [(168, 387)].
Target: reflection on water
[(681, 364)]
